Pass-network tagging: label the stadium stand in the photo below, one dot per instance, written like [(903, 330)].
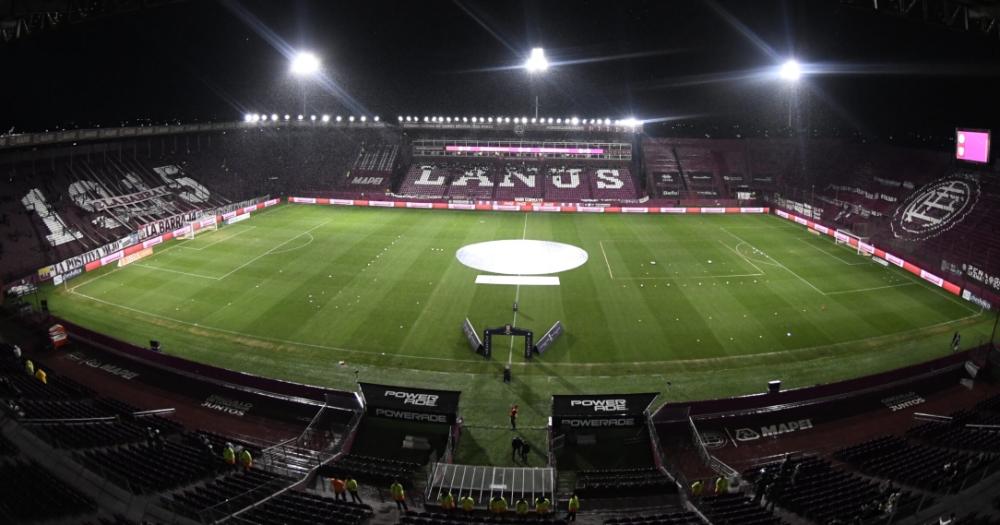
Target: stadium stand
[(916, 465), (736, 509), (436, 518), (147, 468), (32, 494), (303, 508), (669, 518), (822, 493), (611, 482), (374, 470), (232, 492)]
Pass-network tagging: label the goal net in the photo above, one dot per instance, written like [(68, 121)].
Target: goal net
[(855, 242), (201, 226)]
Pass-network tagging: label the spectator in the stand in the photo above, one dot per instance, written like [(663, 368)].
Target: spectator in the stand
[(17, 352), (447, 501), (795, 474), (246, 460), (515, 444), (339, 489), (398, 495), (352, 487), (769, 496), (947, 520), (29, 367), (229, 455), (542, 506), (468, 504), (572, 507), (41, 376), (498, 505), (521, 507)]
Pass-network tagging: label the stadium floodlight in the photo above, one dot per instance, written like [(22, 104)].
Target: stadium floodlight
[(536, 62), (791, 70), (350, 118), (533, 120), (575, 121), (507, 120), (339, 118), (326, 118), (288, 117), (465, 119), (363, 118), (375, 118), (304, 63), (274, 117), (312, 118), (490, 119), (607, 122), (449, 119), (400, 118), (299, 117), (248, 117)]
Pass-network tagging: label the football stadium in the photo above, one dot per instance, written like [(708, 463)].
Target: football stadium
[(737, 266)]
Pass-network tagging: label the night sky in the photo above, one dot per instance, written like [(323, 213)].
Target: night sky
[(204, 60)]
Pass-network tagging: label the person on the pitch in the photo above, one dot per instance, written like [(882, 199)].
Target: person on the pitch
[(516, 445), (513, 417), (525, 449)]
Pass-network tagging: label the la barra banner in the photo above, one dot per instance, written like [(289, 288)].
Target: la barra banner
[(410, 404)]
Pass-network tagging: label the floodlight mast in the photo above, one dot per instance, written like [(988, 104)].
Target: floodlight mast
[(790, 71), (536, 63)]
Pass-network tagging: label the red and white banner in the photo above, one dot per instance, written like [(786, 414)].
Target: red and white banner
[(152, 242), (129, 259), (523, 206)]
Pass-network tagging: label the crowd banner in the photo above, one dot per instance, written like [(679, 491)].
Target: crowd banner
[(514, 206), (410, 404)]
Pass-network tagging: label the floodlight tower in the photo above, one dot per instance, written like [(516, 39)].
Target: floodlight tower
[(536, 64), (304, 66), (791, 72)]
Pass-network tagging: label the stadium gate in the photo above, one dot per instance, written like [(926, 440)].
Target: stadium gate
[(581, 419), (415, 405)]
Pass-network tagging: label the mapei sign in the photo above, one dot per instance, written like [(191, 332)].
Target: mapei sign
[(771, 431), (601, 405), (409, 398), (935, 208)]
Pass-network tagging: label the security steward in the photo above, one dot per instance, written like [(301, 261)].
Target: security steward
[(498, 505), (521, 507), (447, 501), (573, 508), (229, 455), (246, 460), (398, 495), (468, 504), (352, 487), (542, 506)]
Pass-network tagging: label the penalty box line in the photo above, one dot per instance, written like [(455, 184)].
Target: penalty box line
[(611, 273)]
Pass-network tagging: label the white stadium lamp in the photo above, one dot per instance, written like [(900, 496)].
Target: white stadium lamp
[(465, 119), (533, 120), (304, 63), (326, 118), (790, 71), (575, 121), (400, 118), (536, 62), (607, 122), (299, 117), (287, 117), (363, 118), (339, 118), (550, 120), (375, 118), (248, 117), (351, 118), (490, 120), (312, 118), (274, 117)]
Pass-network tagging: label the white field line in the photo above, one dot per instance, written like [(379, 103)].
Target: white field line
[(859, 290), (782, 266), (690, 277), (224, 239), (517, 296), (294, 248), (269, 252), (161, 269), (740, 255), (567, 365), (817, 248), (608, 264)]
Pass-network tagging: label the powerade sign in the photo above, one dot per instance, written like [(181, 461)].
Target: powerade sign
[(601, 405), (410, 398), (600, 410), (410, 404)]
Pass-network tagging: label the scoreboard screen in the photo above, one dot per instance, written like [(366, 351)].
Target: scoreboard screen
[(972, 145)]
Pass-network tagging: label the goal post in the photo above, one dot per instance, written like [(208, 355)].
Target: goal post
[(855, 242), (200, 226)]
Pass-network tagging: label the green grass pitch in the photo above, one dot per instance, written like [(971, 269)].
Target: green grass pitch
[(313, 294)]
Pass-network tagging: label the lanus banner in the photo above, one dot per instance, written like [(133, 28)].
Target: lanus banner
[(410, 404)]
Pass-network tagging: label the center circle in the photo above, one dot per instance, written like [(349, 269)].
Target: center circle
[(521, 257)]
